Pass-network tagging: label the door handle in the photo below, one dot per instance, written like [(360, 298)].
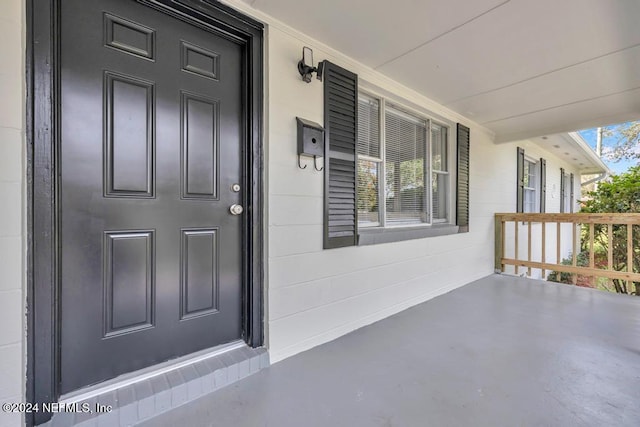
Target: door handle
[(236, 209)]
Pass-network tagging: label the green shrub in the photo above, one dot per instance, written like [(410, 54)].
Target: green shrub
[(582, 260)]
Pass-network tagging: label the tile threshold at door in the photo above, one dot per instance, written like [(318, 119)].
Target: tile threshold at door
[(148, 393)]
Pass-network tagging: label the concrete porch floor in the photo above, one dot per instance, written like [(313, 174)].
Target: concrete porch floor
[(501, 351)]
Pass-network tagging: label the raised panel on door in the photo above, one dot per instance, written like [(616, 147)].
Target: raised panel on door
[(129, 37), (200, 281), (128, 281), (200, 147), (129, 135), (200, 61)]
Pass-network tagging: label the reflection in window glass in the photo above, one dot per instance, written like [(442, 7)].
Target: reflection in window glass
[(368, 126), (368, 193), (530, 187), (440, 191), (567, 193), (404, 164)]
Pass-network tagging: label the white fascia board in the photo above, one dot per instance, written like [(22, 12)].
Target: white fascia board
[(582, 145)]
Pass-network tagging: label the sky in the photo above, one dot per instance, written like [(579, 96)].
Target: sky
[(589, 135)]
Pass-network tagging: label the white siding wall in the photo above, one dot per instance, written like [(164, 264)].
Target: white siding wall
[(315, 295), (12, 201)]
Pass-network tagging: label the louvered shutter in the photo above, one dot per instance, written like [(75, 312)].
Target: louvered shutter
[(562, 190), (520, 195), (543, 185), (571, 202), (462, 194), (341, 134)]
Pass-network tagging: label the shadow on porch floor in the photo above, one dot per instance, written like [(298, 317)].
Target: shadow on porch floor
[(501, 351)]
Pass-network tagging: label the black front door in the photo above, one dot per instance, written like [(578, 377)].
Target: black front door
[(150, 164)]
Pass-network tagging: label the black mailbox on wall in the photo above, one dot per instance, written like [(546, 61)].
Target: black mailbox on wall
[(310, 138)]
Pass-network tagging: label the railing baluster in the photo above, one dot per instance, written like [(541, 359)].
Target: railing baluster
[(529, 246), (591, 251), (574, 256), (610, 251), (544, 245), (499, 244), (558, 260), (504, 237), (629, 253), (516, 252)]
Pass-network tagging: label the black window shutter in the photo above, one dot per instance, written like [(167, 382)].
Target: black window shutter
[(341, 134), (571, 202), (562, 190), (543, 185), (520, 197), (462, 195)]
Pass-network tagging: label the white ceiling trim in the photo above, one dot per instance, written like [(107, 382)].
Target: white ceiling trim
[(588, 152), (568, 149)]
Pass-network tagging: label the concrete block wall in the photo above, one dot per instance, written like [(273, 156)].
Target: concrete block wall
[(12, 208)]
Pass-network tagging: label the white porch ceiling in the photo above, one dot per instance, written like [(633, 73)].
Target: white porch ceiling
[(522, 68)]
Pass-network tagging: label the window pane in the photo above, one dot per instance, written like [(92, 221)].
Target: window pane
[(368, 126), (439, 148), (405, 168), (567, 193), (440, 194), (530, 173), (527, 168), (529, 201), (367, 193)]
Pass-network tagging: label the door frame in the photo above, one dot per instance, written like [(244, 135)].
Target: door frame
[(43, 139)]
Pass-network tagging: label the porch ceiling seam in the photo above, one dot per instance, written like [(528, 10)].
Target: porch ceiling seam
[(546, 73), (455, 28), (561, 105)]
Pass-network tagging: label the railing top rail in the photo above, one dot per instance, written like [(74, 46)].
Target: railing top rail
[(578, 218)]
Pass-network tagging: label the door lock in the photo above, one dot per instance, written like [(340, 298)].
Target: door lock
[(235, 188), (236, 209)]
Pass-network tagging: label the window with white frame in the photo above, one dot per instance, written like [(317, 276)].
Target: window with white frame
[(403, 166), (440, 173), (566, 192), (369, 161), (531, 186)]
